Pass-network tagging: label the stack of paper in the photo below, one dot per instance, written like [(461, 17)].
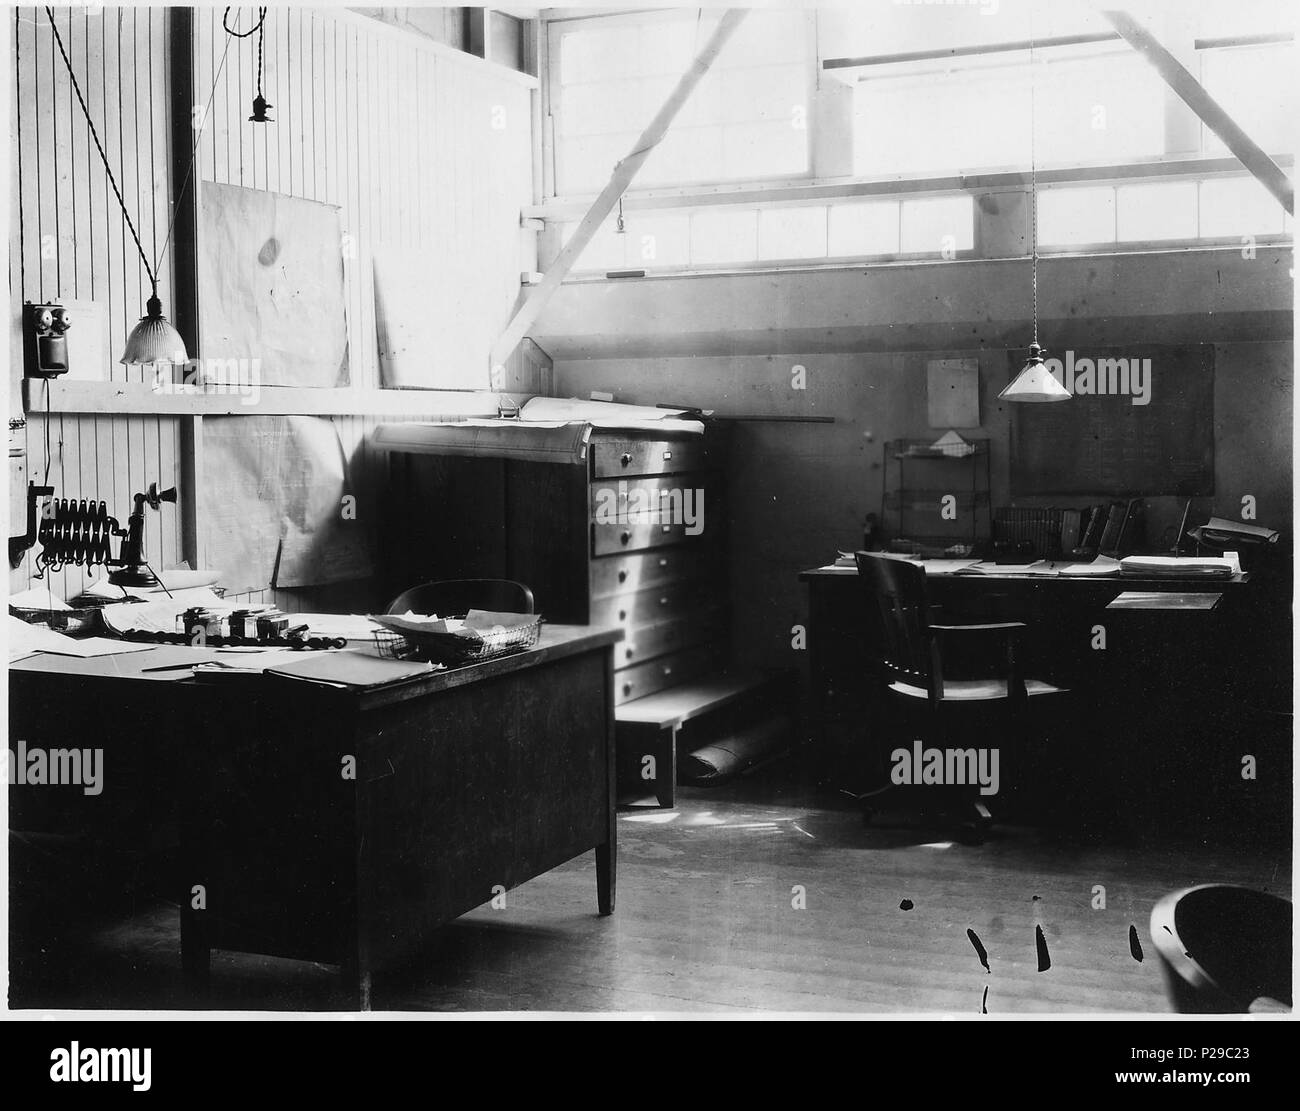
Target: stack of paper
[(1177, 567)]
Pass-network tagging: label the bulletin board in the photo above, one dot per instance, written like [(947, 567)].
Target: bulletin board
[(1105, 444)]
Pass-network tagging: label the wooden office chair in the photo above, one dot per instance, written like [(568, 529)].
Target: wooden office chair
[(456, 597), (941, 711)]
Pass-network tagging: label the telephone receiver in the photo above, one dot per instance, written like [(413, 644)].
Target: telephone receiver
[(134, 569)]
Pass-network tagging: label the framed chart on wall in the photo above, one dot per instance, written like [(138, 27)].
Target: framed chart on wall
[(1140, 421)]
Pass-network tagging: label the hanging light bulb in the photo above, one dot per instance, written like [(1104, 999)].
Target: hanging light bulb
[(154, 339), (1034, 383)]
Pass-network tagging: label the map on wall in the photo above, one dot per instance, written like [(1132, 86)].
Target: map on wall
[(1140, 421), (271, 286)]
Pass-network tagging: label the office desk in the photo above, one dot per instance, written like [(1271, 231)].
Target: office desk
[(339, 825), (1179, 653)]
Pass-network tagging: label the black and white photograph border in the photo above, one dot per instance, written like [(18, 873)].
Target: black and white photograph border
[(792, 513)]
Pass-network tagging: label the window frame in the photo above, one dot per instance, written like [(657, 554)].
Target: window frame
[(553, 28)]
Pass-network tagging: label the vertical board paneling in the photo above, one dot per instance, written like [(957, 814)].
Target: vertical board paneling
[(70, 241), (377, 122)]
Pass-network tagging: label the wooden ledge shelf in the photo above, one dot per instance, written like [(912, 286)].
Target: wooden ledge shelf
[(42, 395)]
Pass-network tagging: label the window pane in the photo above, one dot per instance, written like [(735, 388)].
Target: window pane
[(655, 240), (604, 252), (687, 154), (763, 150), (724, 236), (941, 122), (1237, 206), (1071, 217), (1163, 210), (792, 232), (1106, 108), (1255, 86), (586, 161), (936, 224), (864, 229), (746, 120)]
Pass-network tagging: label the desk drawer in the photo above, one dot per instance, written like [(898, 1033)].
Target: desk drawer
[(614, 457), (646, 642), (681, 667), (669, 602), (625, 574), (655, 498), (639, 535)]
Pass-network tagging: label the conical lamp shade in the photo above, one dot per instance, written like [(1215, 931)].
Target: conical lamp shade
[(1035, 383), (154, 340)]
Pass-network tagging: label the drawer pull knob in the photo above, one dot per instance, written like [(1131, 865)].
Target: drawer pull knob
[(625, 536), (622, 576), (622, 615), (625, 458), (667, 455), (663, 562), (664, 600), (668, 528), (629, 653), (627, 688), (667, 672)]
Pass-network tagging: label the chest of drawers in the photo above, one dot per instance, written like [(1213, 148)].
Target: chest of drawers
[(635, 539)]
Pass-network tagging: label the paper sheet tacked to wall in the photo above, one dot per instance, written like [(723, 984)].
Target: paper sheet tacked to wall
[(275, 509), (271, 286), (420, 325)]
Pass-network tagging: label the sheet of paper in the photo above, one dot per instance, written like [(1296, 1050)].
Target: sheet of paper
[(38, 598), (27, 640), (273, 500), (607, 414), (271, 293), (947, 566), (1102, 565), (419, 325)]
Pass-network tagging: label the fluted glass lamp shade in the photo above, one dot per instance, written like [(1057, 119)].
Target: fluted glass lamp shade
[(1035, 383), (154, 340)]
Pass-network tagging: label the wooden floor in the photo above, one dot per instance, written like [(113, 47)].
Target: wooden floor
[(709, 920)]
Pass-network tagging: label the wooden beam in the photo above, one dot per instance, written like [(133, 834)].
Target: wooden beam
[(1150, 170), (185, 255), (121, 398), (1247, 151), (619, 181)]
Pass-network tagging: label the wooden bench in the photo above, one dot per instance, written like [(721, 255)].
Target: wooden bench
[(647, 729)]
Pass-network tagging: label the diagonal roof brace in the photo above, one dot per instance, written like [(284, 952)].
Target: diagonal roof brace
[(1249, 153), (527, 313)]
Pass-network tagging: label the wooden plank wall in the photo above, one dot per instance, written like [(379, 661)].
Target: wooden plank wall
[(68, 240), (379, 121)]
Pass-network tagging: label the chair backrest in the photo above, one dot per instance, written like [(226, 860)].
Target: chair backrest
[(456, 597), (896, 591)]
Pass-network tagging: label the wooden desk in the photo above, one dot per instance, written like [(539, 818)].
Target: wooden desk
[(1187, 648), (344, 826)]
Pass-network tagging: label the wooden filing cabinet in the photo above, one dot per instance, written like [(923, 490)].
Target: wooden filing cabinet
[(635, 539)]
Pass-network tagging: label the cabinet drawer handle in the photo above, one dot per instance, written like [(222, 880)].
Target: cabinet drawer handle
[(622, 615), (667, 672), (629, 653), (622, 576), (627, 688), (625, 536), (667, 455), (625, 458), (668, 528), (663, 601), (663, 562)]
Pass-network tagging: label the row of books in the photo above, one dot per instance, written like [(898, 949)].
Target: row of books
[(1113, 528)]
